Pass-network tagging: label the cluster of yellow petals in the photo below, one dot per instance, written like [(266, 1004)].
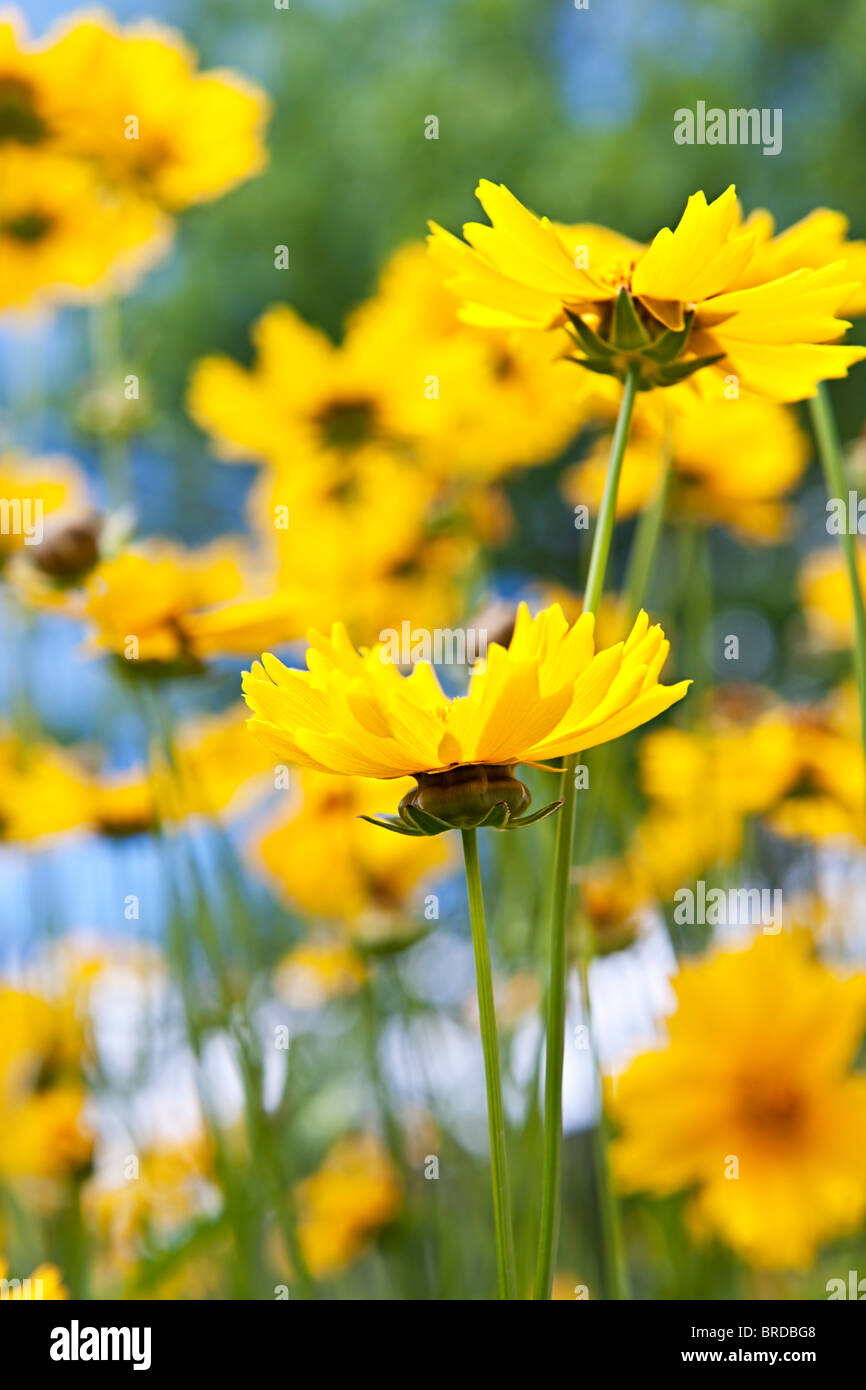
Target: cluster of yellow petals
[(771, 311), (548, 693)]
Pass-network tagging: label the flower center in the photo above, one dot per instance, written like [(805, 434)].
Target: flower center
[(346, 424), (19, 119), (774, 1110), (30, 227)]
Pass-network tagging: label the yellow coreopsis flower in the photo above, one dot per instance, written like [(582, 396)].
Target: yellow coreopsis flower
[(678, 305), (64, 236), (752, 1102), (548, 694), (133, 101)]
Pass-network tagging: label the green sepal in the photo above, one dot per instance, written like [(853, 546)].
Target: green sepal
[(678, 371), (671, 343), (394, 823), (627, 332), (535, 815), (497, 817), (426, 824), (595, 346)]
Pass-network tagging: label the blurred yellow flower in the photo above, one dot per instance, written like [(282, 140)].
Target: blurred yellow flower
[(34, 491), (318, 971), (408, 376), (345, 1202), (614, 895), (140, 602), (825, 594), (734, 462), (146, 1199), (674, 306), (752, 1102), (43, 1133), (43, 790), (64, 236), (327, 864), (46, 1282), (132, 100)]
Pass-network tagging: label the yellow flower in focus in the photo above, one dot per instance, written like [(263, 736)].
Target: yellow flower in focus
[(674, 307), (816, 240), (45, 1283), (63, 236), (825, 594), (756, 1070), (345, 1202), (549, 693), (318, 971), (328, 865), (195, 134)]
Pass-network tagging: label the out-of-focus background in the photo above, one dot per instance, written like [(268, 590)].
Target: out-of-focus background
[(574, 111)]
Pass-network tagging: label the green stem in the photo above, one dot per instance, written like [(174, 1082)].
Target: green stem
[(490, 1043), (833, 464), (616, 1279), (552, 1160)]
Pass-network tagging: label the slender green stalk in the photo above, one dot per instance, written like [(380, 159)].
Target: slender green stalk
[(833, 464), (552, 1160), (615, 1277), (490, 1042)]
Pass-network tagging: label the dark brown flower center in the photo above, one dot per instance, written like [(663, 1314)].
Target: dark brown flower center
[(19, 119)]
